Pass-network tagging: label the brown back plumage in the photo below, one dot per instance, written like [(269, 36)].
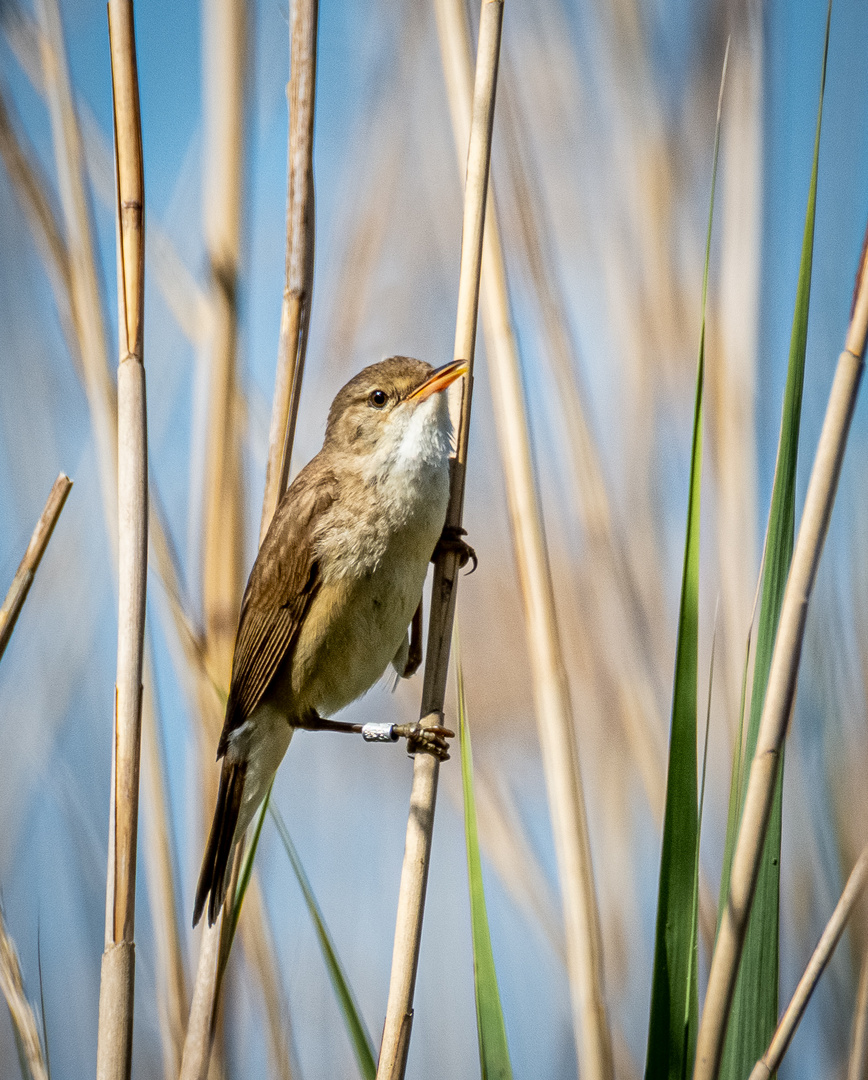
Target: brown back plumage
[(282, 584)]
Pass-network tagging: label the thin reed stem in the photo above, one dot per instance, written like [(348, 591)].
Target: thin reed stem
[(290, 370), (85, 300), (423, 795), (117, 980), (20, 1009), (781, 692), (770, 1062), (857, 1067), (225, 33), (300, 232), (28, 566), (160, 877), (551, 690)]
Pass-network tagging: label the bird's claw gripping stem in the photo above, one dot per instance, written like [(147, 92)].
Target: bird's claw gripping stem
[(451, 540), (428, 740)]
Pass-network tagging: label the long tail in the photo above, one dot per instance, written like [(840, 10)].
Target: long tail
[(215, 864)]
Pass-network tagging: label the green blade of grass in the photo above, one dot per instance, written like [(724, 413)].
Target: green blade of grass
[(755, 1004), (674, 1015), (493, 1049), (362, 1043)]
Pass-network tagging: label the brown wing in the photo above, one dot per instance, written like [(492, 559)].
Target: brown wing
[(284, 580)]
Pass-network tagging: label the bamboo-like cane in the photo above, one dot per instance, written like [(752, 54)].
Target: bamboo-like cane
[(115, 1041), (28, 566), (86, 302), (75, 274), (74, 288), (20, 1009), (769, 1063), (225, 35), (290, 370), (551, 690), (781, 691), (225, 49), (420, 823), (300, 231)]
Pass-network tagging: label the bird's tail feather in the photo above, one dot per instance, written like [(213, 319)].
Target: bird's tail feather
[(215, 864)]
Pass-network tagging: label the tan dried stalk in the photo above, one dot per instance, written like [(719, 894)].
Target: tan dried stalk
[(224, 26), (182, 294), (553, 708), (88, 345), (290, 370), (225, 68), (173, 1003), (28, 566), (781, 692), (117, 976), (85, 297), (857, 1068), (768, 1065), (300, 228), (20, 1009), (29, 185), (420, 823)]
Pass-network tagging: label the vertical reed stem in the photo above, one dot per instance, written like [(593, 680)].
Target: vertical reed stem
[(781, 691), (290, 369), (420, 824), (114, 1047), (550, 686), (300, 232), (28, 566)]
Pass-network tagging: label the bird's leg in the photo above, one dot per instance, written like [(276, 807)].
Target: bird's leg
[(314, 722), (414, 655), (450, 540), (431, 740)]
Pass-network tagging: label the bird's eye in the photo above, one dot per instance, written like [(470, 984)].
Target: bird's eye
[(378, 398)]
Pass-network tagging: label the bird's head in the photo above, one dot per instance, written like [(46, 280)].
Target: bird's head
[(394, 408)]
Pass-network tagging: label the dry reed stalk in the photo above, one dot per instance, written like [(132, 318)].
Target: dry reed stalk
[(28, 566), (420, 823), (225, 61), (224, 26), (86, 302), (857, 1067), (290, 370), (300, 231), (160, 878), (182, 294), (117, 976), (768, 1065), (259, 950), (32, 191), (20, 1009), (550, 686), (781, 691)]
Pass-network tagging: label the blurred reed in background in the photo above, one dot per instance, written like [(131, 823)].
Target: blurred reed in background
[(605, 120)]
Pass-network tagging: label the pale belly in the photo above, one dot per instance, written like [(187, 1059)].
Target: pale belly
[(355, 629)]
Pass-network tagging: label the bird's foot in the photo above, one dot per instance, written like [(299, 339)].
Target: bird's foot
[(451, 540), (426, 740), (420, 739)]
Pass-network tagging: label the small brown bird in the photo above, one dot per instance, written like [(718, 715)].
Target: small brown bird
[(335, 586)]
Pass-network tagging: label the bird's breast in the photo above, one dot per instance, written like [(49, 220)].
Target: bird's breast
[(373, 565)]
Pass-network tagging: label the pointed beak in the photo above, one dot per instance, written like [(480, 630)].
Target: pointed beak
[(439, 380)]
